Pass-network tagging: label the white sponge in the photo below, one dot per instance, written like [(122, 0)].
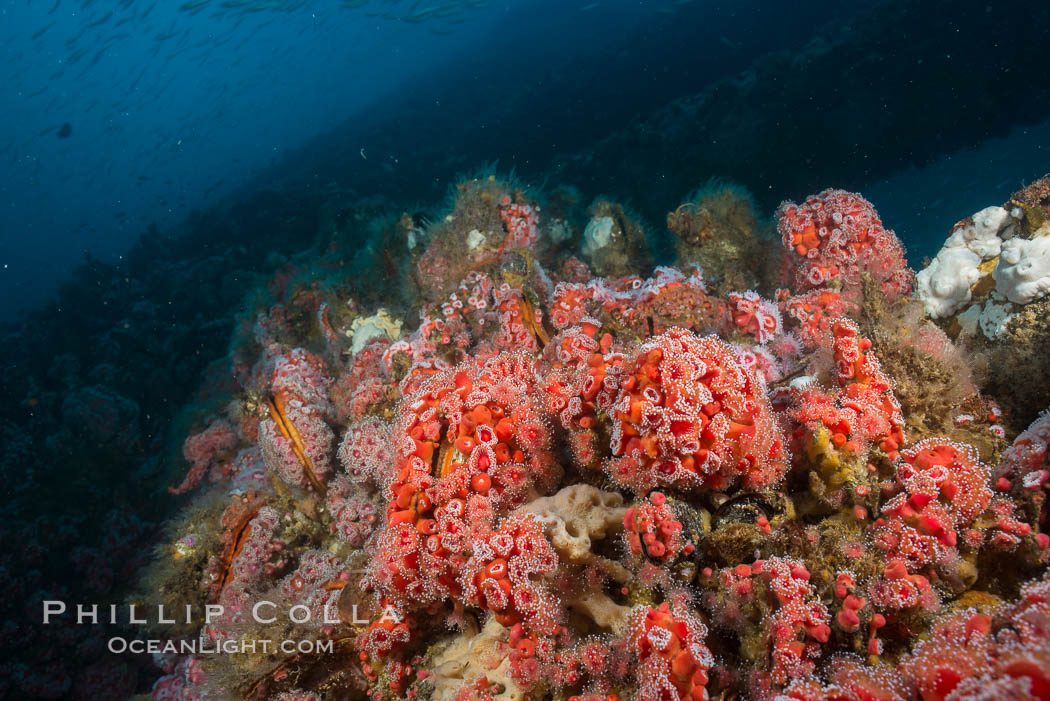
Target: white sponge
[(944, 285), (982, 237), (1023, 272)]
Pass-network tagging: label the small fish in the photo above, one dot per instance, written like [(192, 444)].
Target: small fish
[(64, 131), (429, 13), (148, 10), (101, 20), (40, 32), (77, 55)]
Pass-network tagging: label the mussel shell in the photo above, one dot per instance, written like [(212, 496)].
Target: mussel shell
[(745, 507)]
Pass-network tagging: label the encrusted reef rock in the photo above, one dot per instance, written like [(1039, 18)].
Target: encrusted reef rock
[(1017, 361), (614, 242), (489, 219), (718, 228), (1034, 202), (592, 481)]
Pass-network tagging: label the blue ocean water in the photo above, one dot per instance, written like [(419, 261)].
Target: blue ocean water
[(167, 167), (172, 106)]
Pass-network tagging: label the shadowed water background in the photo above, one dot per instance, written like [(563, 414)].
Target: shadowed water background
[(170, 108)]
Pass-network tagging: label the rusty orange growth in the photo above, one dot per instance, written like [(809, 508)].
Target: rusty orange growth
[(523, 312), (236, 522), (486, 261), (446, 460), (325, 325), (528, 317), (291, 433)]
